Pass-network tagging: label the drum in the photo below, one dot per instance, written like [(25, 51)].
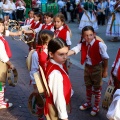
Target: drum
[(36, 100), (108, 97), (26, 38)]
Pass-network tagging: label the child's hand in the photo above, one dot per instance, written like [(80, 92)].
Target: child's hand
[(12, 66), (105, 74)]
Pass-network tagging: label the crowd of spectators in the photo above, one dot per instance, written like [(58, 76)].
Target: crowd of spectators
[(12, 10), (73, 9)]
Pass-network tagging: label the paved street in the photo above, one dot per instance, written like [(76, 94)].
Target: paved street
[(19, 94)]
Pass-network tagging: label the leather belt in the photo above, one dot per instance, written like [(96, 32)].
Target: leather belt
[(91, 66)]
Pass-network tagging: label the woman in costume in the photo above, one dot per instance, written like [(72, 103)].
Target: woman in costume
[(113, 27), (89, 16)]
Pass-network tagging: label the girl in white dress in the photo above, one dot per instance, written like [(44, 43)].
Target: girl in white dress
[(89, 17)]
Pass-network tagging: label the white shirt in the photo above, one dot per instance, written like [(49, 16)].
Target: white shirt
[(6, 6), (114, 109), (21, 8), (55, 83), (68, 41), (102, 50), (3, 55), (1, 3), (28, 21), (12, 6)]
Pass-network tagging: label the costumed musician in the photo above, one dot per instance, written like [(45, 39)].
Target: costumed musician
[(115, 72), (36, 27), (48, 22), (39, 57), (58, 81), (94, 56), (5, 63), (61, 29), (30, 19)]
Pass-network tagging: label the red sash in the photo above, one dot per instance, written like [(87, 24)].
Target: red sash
[(7, 48)]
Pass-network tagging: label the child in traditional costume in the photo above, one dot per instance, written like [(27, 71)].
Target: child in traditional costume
[(61, 29), (48, 22), (89, 16), (94, 55), (58, 81), (114, 109), (35, 27), (115, 72), (39, 57), (5, 54), (30, 19)]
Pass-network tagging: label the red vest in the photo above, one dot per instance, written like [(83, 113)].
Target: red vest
[(29, 23), (118, 71), (34, 25), (66, 84), (94, 53), (48, 27), (62, 34), (7, 47), (42, 56)]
